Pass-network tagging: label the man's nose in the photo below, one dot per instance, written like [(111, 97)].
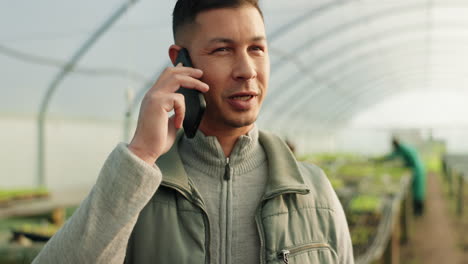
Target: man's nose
[(244, 68)]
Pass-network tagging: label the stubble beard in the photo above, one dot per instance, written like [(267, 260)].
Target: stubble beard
[(239, 123)]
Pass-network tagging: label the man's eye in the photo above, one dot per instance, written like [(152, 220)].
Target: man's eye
[(256, 48), (221, 49)]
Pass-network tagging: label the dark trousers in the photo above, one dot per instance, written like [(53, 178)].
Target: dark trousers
[(418, 207)]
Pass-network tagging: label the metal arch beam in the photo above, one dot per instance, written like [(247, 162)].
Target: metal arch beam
[(366, 95), (357, 71), (374, 94), (57, 80), (302, 19), (292, 108), (345, 103), (377, 94), (347, 106), (298, 105), (376, 16), (369, 86), (281, 97), (336, 69), (308, 44), (359, 84), (277, 98), (345, 113)]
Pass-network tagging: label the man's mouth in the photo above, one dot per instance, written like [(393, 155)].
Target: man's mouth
[(242, 101), (242, 97)]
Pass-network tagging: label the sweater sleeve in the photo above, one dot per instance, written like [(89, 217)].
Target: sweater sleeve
[(98, 232)]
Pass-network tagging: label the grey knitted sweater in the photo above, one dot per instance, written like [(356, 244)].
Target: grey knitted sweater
[(231, 192), (99, 230)]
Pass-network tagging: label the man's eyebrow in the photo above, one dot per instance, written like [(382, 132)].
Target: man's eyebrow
[(221, 40), (230, 41), (258, 38)]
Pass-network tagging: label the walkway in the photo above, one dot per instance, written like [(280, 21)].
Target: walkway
[(434, 239)]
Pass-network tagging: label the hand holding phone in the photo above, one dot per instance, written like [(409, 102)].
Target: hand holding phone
[(195, 104), (155, 133)]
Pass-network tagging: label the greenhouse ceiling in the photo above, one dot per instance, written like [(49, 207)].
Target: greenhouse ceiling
[(330, 60)]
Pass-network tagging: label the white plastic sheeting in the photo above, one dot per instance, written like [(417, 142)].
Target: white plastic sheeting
[(332, 60)]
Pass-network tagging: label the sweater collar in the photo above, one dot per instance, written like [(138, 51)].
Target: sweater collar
[(284, 173), (204, 153)]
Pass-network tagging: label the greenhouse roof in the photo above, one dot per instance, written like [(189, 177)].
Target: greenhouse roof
[(330, 60)]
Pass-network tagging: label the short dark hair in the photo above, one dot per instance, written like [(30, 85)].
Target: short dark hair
[(185, 11), (395, 142)]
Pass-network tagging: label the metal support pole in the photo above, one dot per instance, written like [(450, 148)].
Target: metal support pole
[(460, 195)]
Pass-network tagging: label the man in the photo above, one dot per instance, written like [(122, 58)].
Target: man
[(411, 160), (232, 194)]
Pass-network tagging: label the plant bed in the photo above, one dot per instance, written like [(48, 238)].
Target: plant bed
[(12, 196)]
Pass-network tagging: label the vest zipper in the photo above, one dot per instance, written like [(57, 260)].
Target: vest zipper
[(227, 170), (284, 254)]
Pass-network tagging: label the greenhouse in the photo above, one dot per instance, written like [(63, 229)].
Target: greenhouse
[(372, 93)]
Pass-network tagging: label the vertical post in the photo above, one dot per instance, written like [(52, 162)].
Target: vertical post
[(40, 181), (396, 238), (460, 195), (404, 219), (450, 181), (129, 96), (392, 251)]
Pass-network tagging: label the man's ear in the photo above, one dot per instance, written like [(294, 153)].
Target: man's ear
[(173, 52)]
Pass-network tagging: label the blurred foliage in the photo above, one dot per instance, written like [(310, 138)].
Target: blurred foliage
[(364, 186), (8, 195), (432, 153), (368, 185), (365, 203), (16, 245)]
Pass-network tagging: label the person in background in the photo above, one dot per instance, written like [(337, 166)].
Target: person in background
[(231, 194), (411, 159)]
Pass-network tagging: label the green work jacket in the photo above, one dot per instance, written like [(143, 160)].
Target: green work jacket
[(412, 161), (299, 219)]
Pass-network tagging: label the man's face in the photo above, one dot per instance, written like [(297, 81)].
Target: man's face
[(230, 46)]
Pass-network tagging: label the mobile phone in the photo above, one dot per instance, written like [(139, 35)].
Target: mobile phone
[(195, 103)]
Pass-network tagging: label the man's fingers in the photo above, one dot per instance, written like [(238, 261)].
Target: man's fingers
[(177, 77), (187, 82), (179, 69), (179, 110)]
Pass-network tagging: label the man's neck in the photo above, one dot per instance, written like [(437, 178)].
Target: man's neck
[(227, 137)]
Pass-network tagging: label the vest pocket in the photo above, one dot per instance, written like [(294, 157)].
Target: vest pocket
[(311, 253)]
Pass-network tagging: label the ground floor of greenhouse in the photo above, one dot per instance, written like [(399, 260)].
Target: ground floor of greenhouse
[(438, 235)]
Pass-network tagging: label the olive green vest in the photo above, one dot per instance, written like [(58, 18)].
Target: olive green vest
[(299, 219)]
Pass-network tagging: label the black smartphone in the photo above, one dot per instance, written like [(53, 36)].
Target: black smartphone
[(195, 104)]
